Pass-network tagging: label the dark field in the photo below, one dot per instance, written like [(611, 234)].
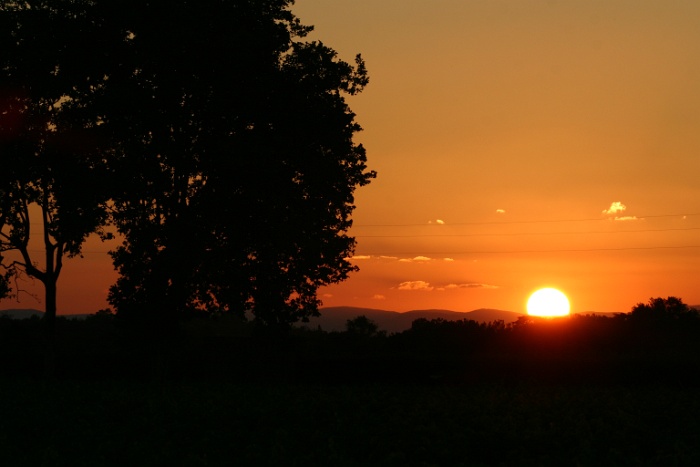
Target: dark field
[(593, 392), (95, 423)]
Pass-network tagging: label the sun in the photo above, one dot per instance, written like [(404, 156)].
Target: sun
[(548, 302)]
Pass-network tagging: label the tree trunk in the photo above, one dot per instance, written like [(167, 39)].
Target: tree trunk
[(50, 326), (50, 302)]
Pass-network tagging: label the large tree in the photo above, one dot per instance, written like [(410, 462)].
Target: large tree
[(226, 137), (236, 158), (50, 144)]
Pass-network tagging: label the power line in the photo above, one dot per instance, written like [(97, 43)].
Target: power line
[(541, 221), (529, 233), (572, 250)]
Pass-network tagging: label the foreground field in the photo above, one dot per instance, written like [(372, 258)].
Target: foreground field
[(98, 423), (586, 391)]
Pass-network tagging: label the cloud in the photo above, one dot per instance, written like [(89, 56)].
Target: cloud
[(358, 257), (500, 211), (438, 221), (471, 285), (379, 297), (448, 259), (614, 208), (419, 259), (327, 295), (388, 257), (415, 285)]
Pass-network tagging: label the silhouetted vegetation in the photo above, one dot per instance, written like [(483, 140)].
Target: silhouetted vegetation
[(588, 390), (363, 326), (625, 348), (214, 135), (52, 152)]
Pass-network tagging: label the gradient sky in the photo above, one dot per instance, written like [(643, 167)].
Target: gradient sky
[(519, 144), (501, 132)]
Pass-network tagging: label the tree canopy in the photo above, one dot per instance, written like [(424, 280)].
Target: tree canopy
[(224, 145), (663, 309), (50, 145)]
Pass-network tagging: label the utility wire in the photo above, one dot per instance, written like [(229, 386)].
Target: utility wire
[(542, 221), (529, 233), (573, 250)]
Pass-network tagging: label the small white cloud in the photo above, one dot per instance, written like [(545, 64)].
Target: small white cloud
[(420, 259), (358, 257), (615, 208), (627, 218), (388, 257), (500, 211), (440, 221), (471, 285), (448, 259), (327, 295), (415, 285), (379, 297)]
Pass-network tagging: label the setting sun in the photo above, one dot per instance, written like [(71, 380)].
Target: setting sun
[(548, 302)]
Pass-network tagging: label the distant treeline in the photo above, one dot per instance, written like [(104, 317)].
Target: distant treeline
[(644, 346)]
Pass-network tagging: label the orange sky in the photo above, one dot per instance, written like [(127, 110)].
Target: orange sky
[(501, 131), (517, 123)]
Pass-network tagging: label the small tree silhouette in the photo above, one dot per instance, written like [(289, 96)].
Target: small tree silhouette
[(362, 326)]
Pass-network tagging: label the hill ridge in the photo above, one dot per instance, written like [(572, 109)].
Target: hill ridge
[(334, 318)]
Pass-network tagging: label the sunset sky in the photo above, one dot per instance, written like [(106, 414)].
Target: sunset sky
[(519, 144), (522, 144)]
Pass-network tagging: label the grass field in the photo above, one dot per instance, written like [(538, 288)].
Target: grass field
[(92, 423)]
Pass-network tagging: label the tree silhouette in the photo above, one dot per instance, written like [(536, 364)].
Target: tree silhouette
[(362, 326), (49, 142), (663, 309), (234, 161), (227, 141)]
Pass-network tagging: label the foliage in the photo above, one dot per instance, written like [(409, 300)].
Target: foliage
[(575, 350), (663, 309), (221, 139), (50, 142), (235, 164), (362, 326)]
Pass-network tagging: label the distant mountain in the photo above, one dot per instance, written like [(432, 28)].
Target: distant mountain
[(21, 313), (334, 318)]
